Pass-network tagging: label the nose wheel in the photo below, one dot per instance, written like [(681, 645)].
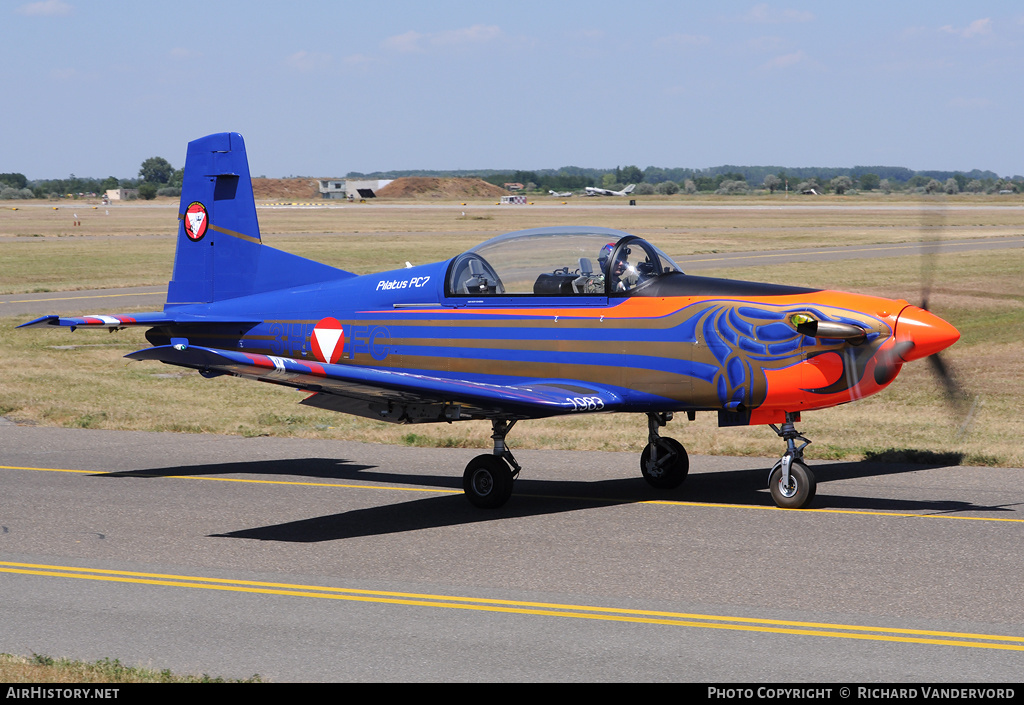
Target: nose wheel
[(790, 482), (795, 492)]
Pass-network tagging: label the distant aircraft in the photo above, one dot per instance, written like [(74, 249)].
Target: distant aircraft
[(595, 191), (560, 194)]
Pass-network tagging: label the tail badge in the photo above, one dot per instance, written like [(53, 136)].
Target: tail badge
[(196, 221)]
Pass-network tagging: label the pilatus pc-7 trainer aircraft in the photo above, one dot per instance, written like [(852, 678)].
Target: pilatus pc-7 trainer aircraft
[(527, 325)]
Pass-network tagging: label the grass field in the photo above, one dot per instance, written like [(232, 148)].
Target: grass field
[(44, 669), (80, 379)]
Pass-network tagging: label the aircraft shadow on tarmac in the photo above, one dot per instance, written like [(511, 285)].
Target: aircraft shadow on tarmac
[(301, 469), (539, 497)]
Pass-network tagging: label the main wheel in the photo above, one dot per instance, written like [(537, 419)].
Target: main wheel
[(487, 481), (800, 490), (671, 468)]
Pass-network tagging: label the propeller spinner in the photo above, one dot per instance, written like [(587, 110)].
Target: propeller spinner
[(920, 333)]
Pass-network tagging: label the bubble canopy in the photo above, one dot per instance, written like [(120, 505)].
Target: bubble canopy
[(563, 261)]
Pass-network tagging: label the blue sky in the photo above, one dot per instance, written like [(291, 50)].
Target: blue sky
[(323, 88)]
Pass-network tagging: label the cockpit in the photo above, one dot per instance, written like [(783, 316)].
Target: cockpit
[(572, 261)]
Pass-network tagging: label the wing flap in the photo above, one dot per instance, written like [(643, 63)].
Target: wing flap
[(393, 389)]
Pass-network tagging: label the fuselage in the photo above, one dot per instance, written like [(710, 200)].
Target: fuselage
[(692, 343)]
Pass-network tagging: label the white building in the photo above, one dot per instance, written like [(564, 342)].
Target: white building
[(121, 194), (332, 188), (354, 188)]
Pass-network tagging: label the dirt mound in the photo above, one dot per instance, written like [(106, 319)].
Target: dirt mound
[(434, 187), (405, 187), (285, 189)]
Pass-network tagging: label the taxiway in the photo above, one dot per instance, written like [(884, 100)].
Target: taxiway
[(312, 560)]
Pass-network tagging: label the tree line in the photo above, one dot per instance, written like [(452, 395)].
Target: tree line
[(156, 178), (731, 179)]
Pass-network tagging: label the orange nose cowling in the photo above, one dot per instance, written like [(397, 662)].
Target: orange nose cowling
[(928, 333)]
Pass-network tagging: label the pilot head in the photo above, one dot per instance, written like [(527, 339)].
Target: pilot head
[(618, 268)]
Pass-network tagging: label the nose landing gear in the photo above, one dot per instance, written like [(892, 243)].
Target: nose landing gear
[(791, 482)]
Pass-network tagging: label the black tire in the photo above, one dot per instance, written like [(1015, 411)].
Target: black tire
[(487, 481), (672, 467), (801, 489)]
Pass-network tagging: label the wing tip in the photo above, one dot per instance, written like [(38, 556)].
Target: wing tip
[(48, 320)]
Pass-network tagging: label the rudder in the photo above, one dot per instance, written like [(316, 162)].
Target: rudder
[(217, 209), (219, 253)]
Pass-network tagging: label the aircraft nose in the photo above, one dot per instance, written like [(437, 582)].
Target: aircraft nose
[(927, 332)]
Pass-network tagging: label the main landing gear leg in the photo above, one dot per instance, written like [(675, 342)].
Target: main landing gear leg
[(790, 481), (488, 478), (664, 462)]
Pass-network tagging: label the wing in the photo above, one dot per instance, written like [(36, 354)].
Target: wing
[(394, 395)]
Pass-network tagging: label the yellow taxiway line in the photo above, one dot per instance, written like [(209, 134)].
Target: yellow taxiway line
[(767, 255), (76, 298), (543, 609), (677, 503), (836, 250), (238, 479)]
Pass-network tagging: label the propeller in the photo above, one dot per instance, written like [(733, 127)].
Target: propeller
[(919, 333), (955, 393)]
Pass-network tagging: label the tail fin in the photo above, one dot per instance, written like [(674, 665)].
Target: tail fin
[(629, 189), (219, 252)]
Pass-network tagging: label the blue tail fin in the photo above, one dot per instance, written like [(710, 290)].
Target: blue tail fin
[(219, 252)]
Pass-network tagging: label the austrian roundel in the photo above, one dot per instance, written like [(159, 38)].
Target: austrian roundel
[(196, 221), (328, 340)]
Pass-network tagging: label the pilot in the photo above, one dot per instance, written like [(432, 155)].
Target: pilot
[(617, 272)]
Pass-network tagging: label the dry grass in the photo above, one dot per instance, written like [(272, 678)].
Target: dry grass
[(90, 385), (43, 669), (63, 264), (133, 245)]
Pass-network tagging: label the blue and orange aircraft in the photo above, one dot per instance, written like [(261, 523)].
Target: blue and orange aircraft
[(527, 325)]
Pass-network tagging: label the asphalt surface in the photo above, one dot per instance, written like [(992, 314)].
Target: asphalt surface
[(152, 298), (308, 560), (97, 300)]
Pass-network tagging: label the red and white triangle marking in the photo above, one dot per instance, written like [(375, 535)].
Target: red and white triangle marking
[(328, 340)]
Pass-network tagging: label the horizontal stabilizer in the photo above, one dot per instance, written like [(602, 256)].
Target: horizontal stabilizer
[(152, 318), (532, 399)]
